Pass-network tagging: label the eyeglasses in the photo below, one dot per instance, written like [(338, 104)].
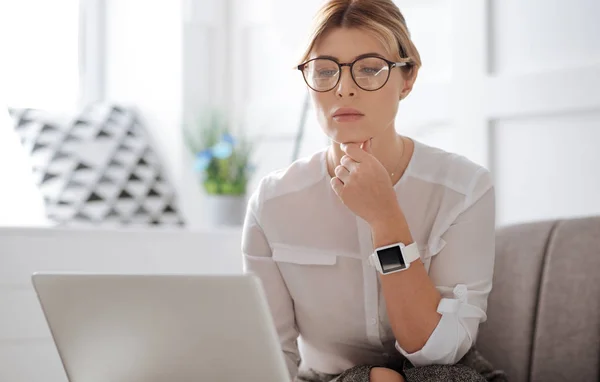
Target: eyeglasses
[(370, 73)]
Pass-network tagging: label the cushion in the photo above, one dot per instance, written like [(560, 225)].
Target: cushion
[(97, 167), (567, 335)]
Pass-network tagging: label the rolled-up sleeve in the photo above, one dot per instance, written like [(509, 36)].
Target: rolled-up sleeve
[(259, 261), (462, 272)]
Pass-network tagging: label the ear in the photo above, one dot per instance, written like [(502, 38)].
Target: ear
[(408, 78)]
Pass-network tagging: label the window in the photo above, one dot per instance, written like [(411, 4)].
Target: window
[(41, 53), (40, 68)]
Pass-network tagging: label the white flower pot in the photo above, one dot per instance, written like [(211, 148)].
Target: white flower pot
[(225, 210)]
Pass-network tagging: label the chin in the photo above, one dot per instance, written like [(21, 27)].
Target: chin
[(341, 135)]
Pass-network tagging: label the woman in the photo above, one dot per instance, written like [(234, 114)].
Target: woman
[(379, 250)]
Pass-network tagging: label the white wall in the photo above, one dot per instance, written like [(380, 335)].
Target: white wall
[(542, 104)]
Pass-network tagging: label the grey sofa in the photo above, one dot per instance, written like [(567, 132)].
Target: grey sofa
[(544, 310)]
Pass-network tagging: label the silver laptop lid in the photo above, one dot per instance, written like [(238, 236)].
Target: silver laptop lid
[(157, 328)]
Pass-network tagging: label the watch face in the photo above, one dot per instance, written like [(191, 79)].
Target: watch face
[(391, 259)]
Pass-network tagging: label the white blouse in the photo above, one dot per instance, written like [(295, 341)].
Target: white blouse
[(311, 254)]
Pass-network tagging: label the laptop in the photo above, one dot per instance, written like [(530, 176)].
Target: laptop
[(158, 328)]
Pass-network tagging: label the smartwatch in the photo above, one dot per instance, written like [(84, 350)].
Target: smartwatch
[(394, 258)]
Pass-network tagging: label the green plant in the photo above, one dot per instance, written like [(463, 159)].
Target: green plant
[(222, 160)]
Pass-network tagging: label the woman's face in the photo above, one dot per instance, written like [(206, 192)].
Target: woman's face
[(377, 109)]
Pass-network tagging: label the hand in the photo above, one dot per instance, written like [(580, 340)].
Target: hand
[(364, 185)]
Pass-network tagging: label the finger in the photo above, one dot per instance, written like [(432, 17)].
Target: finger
[(342, 173), (349, 163), (337, 185), (367, 146), (354, 151)]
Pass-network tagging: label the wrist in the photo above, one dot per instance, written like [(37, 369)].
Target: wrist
[(391, 229), (387, 218)]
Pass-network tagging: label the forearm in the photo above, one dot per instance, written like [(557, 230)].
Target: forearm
[(411, 298)]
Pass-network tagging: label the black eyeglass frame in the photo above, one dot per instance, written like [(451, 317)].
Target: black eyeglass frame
[(391, 64)]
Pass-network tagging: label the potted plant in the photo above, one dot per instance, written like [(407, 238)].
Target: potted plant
[(222, 162)]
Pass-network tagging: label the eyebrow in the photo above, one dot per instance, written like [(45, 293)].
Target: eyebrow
[(356, 58)]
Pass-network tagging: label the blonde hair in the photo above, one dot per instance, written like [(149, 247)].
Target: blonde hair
[(381, 17)]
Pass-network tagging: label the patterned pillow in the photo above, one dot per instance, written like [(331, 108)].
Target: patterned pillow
[(97, 168)]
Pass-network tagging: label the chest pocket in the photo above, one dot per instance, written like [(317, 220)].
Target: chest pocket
[(309, 273)]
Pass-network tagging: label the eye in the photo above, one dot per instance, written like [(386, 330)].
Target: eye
[(327, 72), (370, 71), (370, 67)]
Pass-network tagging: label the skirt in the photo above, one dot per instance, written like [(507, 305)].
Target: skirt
[(473, 367)]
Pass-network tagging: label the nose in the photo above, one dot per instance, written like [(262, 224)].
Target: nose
[(346, 87)]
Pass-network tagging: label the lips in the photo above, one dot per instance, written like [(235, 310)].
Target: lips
[(347, 114), (347, 111)]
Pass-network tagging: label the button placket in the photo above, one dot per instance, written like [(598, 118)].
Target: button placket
[(370, 288)]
